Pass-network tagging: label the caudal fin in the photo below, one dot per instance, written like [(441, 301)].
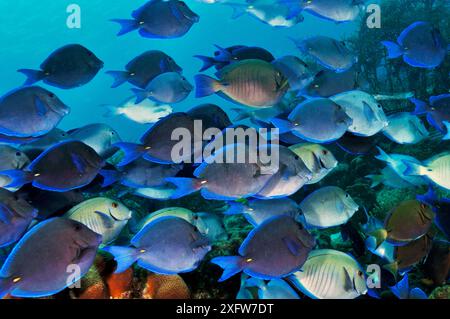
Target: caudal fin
[(17, 178), (111, 110), (120, 77), (109, 177), (394, 50), (241, 114), (185, 186), (124, 256), (283, 125), (231, 266), (421, 106), (234, 208), (413, 169), (383, 156), (207, 62), (141, 95), (206, 85), (239, 9), (430, 198), (447, 126), (131, 152), (33, 76), (126, 25), (376, 180)]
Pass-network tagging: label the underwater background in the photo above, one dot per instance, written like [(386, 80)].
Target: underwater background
[(31, 30)]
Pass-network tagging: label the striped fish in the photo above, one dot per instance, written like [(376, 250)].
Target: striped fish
[(330, 274), (102, 215)]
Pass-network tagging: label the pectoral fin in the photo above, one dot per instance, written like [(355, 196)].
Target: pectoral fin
[(107, 221)]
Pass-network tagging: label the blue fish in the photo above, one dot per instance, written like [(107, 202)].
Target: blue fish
[(441, 207), (437, 112), (401, 290)]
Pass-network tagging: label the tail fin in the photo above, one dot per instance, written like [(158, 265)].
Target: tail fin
[(429, 198), (109, 177), (6, 286), (141, 95), (384, 157), (132, 152), (414, 169), (376, 180), (242, 114), (124, 256), (33, 76), (17, 177), (283, 125), (239, 9), (111, 110), (380, 236), (394, 50), (207, 62), (235, 208), (185, 186), (447, 126), (126, 25), (294, 9), (206, 85), (120, 77), (421, 106), (231, 266)]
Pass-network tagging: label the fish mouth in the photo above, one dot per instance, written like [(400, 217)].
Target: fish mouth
[(193, 17)]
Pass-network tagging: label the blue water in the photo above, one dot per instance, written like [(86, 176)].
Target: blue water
[(32, 29)]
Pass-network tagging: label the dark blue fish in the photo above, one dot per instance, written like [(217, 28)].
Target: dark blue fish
[(420, 44), (160, 19), (402, 290), (68, 67), (275, 249), (437, 111), (39, 264), (65, 166), (144, 68), (30, 112), (441, 207)]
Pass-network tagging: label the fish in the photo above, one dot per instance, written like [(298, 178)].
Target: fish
[(405, 128), (327, 83), (397, 163), (435, 169), (436, 112), (267, 11), (215, 174), (68, 67), (36, 148), (441, 207), (390, 178), (167, 246), (437, 265), (100, 137), (170, 87), (158, 19), (39, 111), (211, 115), (319, 160), (16, 215), (11, 158), (275, 249), (332, 10), (402, 290), (63, 167), (144, 68), (146, 112), (421, 45), (357, 145), (156, 145), (328, 207), (225, 56), (257, 211), (50, 204), (408, 221), (367, 114), (295, 70), (166, 287), (140, 174), (102, 215), (328, 52), (37, 266), (291, 176), (254, 83), (316, 121), (330, 274), (273, 289)]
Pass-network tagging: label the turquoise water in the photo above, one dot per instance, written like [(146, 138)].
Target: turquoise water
[(31, 30)]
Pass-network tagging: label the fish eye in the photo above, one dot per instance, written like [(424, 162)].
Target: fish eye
[(77, 227), (115, 205), (18, 154), (325, 152), (297, 157), (51, 95), (360, 273)]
